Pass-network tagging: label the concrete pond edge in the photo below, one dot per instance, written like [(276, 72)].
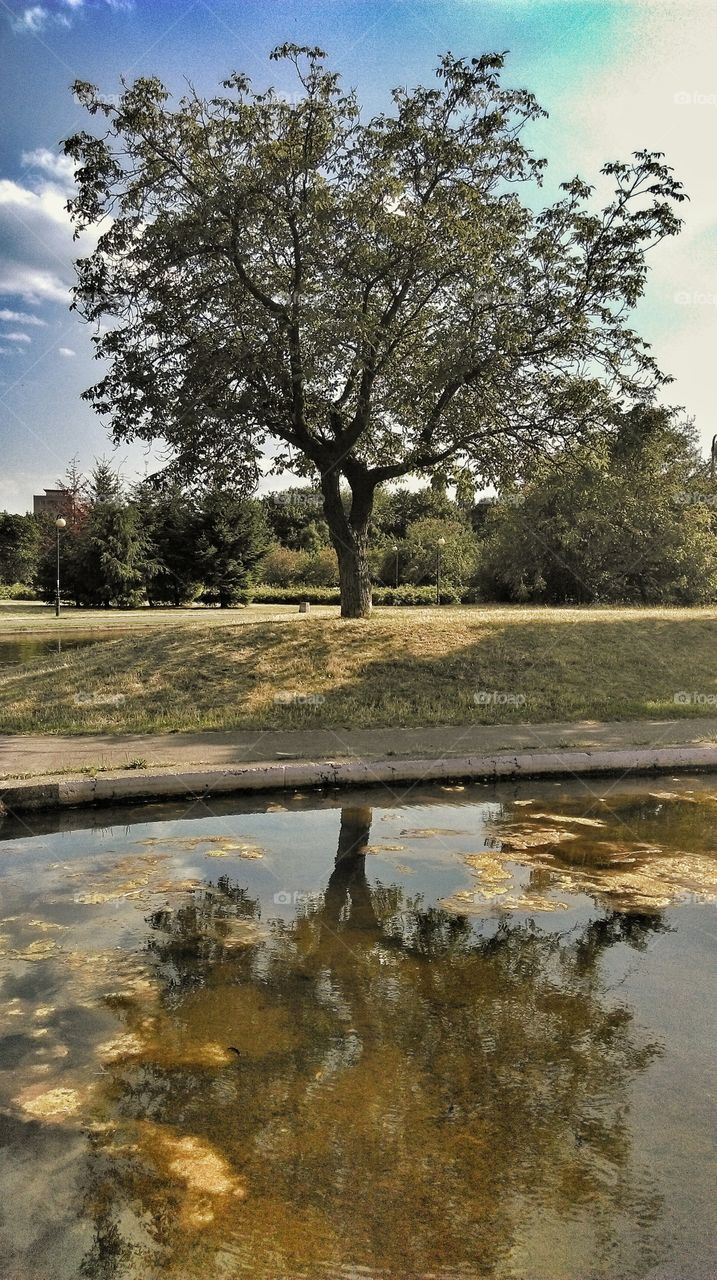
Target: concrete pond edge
[(145, 786)]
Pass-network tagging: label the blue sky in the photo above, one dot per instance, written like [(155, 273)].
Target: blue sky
[(615, 76)]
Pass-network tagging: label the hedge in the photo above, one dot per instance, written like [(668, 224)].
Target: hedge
[(404, 595), (17, 591)]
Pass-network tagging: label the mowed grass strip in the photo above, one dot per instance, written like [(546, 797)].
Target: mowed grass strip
[(401, 668)]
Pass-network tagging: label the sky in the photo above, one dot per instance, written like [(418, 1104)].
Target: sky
[(615, 76)]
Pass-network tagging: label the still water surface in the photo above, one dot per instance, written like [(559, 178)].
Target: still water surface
[(471, 1034), (16, 650)]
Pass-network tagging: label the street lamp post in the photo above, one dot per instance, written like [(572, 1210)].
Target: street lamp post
[(441, 544), (395, 552), (60, 523)]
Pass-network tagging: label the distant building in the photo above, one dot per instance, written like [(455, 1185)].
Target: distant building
[(50, 503)]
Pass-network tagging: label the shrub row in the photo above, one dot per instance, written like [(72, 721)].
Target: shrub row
[(404, 595), (17, 591)]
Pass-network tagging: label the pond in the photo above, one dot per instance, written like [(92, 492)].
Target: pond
[(16, 650), (469, 1032)]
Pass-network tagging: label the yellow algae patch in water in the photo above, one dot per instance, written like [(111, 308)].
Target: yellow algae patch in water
[(123, 1046), (235, 851), (201, 1168), (232, 843), (563, 817), (671, 795), (241, 933), (422, 833), (487, 867), (476, 902), (51, 1105), (207, 1180), (526, 838), (96, 899), (36, 951), (384, 848)]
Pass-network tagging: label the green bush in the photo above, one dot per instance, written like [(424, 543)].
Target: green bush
[(404, 595), (410, 594), (265, 593), (17, 591)]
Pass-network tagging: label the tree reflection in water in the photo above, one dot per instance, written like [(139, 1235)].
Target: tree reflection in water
[(406, 1095)]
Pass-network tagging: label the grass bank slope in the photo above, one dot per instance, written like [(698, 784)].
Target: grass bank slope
[(402, 668)]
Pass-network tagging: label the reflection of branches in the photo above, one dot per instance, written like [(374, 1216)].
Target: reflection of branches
[(405, 1087), (190, 939)]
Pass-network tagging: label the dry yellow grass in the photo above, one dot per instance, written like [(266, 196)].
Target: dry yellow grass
[(403, 667)]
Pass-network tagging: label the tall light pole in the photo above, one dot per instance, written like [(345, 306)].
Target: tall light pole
[(395, 552), (713, 458), (60, 523), (441, 544)]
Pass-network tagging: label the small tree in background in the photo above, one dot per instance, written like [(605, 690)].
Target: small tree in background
[(281, 566), (630, 519), (232, 537), (419, 553), (21, 539), (290, 511), (112, 556), (169, 522)]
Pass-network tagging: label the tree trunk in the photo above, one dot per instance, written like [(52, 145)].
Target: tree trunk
[(355, 581), (348, 895), (349, 535)]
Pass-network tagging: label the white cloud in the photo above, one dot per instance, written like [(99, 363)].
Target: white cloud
[(16, 336), (36, 231), (67, 352), (49, 203), (60, 168), (32, 20), (32, 284), (37, 18), (19, 317)]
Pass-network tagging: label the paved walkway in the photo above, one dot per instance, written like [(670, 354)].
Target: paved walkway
[(47, 755)]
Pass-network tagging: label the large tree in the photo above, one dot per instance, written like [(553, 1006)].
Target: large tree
[(370, 299)]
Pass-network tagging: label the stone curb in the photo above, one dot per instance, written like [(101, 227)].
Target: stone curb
[(115, 787)]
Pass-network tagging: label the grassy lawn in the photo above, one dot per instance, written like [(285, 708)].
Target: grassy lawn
[(30, 619), (404, 667)]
